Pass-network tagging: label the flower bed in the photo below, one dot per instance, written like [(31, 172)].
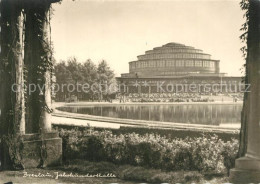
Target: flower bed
[(207, 154)]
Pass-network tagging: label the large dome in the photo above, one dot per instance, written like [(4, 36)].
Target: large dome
[(172, 59)]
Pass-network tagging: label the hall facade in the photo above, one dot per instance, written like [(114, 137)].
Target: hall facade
[(176, 68)]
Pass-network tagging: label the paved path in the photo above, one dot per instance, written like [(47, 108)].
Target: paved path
[(58, 120)]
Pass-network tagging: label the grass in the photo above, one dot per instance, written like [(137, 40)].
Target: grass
[(139, 174), (125, 174), (18, 177)]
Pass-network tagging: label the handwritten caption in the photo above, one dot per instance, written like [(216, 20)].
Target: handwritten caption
[(57, 175)]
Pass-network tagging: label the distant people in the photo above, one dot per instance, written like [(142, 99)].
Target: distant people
[(235, 99)]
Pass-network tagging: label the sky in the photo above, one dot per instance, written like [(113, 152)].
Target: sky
[(118, 31)]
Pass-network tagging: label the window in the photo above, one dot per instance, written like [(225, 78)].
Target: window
[(179, 63), (189, 63), (161, 63), (198, 63), (169, 63), (205, 63)]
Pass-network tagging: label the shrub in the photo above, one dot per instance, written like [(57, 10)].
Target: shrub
[(93, 149), (205, 154), (229, 152)]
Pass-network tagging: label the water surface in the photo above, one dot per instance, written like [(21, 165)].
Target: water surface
[(207, 114)]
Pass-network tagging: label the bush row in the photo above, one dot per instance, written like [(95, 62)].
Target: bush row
[(205, 154)]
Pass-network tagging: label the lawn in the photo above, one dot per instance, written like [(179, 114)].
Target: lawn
[(125, 174)]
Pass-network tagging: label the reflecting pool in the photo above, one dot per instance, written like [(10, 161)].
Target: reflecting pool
[(207, 114)]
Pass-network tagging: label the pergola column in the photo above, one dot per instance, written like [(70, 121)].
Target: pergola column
[(45, 122), (11, 68), (247, 168), (12, 122), (38, 63)]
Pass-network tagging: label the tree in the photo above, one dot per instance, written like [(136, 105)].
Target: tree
[(105, 78), (89, 71), (74, 68), (90, 80), (63, 78)]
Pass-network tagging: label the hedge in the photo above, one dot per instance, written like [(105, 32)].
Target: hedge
[(207, 154)]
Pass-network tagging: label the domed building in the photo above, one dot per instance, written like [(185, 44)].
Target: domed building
[(172, 63)]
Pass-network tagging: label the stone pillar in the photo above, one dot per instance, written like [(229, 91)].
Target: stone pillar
[(39, 138), (139, 89), (20, 98), (149, 90), (11, 75), (217, 69), (247, 168), (45, 122), (38, 63), (11, 68), (43, 149), (32, 60)]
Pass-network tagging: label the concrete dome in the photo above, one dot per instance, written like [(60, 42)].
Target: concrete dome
[(172, 59)]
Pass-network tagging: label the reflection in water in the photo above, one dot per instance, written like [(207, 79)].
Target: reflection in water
[(210, 114)]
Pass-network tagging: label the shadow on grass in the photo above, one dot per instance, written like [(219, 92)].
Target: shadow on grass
[(136, 174)]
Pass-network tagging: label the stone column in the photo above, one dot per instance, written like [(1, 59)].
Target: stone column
[(20, 100), (41, 147), (139, 89), (11, 78), (38, 150), (11, 68), (149, 91), (217, 69), (247, 168), (45, 122), (38, 63)]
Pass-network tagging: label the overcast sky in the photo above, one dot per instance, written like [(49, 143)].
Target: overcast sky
[(118, 31)]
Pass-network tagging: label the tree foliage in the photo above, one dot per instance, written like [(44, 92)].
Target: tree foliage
[(88, 74)]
